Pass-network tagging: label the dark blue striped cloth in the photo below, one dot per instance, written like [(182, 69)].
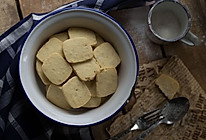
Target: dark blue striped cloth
[(19, 120)]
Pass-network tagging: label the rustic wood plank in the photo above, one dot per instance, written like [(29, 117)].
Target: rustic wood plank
[(193, 57), (9, 14), (40, 6)]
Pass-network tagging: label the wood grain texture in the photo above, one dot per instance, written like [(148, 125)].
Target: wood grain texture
[(9, 14), (40, 6), (193, 57), (135, 23)]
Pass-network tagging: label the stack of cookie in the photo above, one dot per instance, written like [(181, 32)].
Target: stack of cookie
[(78, 67)]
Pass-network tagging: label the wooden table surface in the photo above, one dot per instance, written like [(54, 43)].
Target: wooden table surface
[(194, 58)]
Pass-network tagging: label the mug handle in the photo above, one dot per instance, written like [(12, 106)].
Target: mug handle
[(190, 39)]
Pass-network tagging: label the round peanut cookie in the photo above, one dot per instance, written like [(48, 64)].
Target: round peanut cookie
[(83, 32), (76, 92), (56, 69), (55, 95), (77, 50), (106, 55), (54, 45)]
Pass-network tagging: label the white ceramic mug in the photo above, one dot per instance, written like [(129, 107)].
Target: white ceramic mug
[(170, 21)]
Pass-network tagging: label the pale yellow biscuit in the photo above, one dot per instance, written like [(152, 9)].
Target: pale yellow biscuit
[(41, 74), (106, 82), (82, 32), (54, 45), (106, 55), (55, 95), (105, 99), (168, 85), (93, 102), (77, 50), (99, 39), (86, 70), (47, 86), (92, 87), (56, 69), (61, 36), (76, 92)]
